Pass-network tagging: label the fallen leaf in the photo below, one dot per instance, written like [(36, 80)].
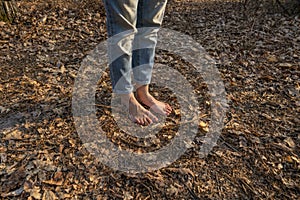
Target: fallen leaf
[(35, 193), (14, 135), (13, 193), (53, 182), (49, 195), (272, 58), (290, 142), (57, 179)]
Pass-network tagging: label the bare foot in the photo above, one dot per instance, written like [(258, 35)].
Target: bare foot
[(137, 113), (146, 98)]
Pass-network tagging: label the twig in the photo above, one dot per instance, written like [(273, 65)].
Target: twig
[(228, 145)]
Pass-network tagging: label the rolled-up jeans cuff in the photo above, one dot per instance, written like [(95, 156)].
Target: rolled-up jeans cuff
[(127, 91), (142, 82)]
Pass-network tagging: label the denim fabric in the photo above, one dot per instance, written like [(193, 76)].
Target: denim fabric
[(132, 27)]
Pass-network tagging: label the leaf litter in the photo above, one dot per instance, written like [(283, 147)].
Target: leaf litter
[(257, 50)]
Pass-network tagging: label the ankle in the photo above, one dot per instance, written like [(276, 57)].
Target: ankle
[(125, 98), (142, 91)]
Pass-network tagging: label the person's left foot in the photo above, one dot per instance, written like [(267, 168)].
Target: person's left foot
[(137, 113), (144, 97)]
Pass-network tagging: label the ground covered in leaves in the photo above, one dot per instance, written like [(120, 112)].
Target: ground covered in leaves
[(257, 51)]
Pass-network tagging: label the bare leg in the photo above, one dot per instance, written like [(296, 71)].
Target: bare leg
[(146, 98)]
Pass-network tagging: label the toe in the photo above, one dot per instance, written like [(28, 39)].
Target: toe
[(168, 109), (143, 121), (148, 120), (138, 121)]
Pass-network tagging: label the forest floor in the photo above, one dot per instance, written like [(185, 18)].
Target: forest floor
[(257, 52)]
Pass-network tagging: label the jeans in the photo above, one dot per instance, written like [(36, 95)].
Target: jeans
[(132, 27)]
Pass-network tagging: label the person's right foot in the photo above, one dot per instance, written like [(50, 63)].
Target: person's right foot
[(137, 113)]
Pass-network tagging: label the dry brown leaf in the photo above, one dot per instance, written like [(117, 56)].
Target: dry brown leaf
[(272, 58), (15, 134), (54, 182), (203, 124), (290, 142), (13, 193), (35, 193), (127, 196), (58, 179), (285, 65), (28, 186), (49, 195), (172, 190)]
